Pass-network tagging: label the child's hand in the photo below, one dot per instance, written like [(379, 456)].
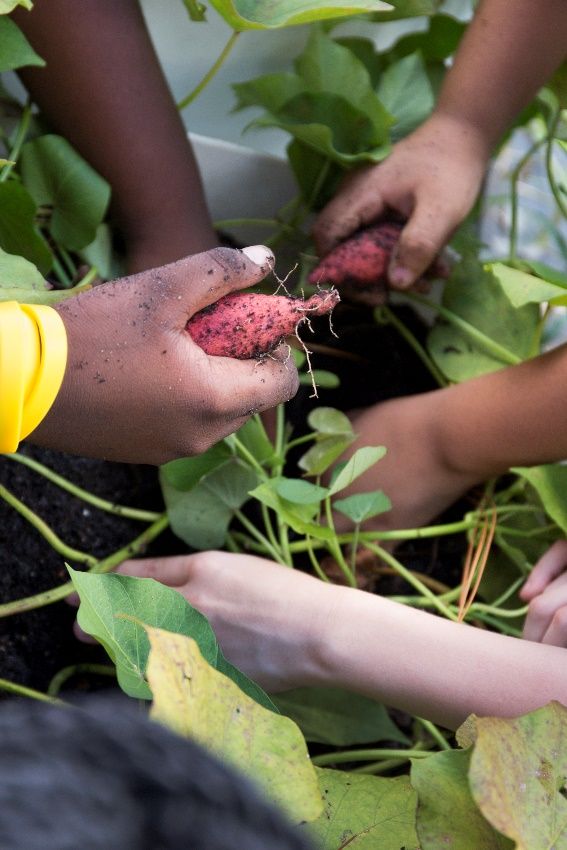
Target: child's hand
[(546, 592), (137, 388), (431, 178)]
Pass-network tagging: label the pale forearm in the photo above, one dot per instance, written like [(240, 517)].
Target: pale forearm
[(104, 90), (432, 667), (509, 51), (514, 417)]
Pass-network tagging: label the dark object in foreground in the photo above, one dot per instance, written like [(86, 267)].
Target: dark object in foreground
[(108, 777), (358, 267)]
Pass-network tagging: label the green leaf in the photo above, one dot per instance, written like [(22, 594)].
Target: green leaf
[(330, 422), (270, 91), (19, 275), (105, 597), (7, 6), (406, 92), (317, 178), (365, 51), (364, 812), (201, 516), (518, 775), (523, 288), (194, 700), (550, 483), (319, 457), (331, 125), (57, 176), (297, 516), (15, 49), (18, 233), (447, 815), (361, 460), (253, 436), (361, 506), (270, 14), (185, 473), (323, 379), (300, 492), (327, 67), (475, 295), (437, 43), (337, 717)]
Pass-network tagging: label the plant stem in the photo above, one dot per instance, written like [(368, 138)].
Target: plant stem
[(435, 733), (549, 166), (484, 342), (22, 691), (86, 281), (46, 532), (412, 580), (21, 134), (411, 340), (366, 755), (61, 273), (66, 673), (514, 178), (334, 547), (215, 67), (47, 597), (249, 458), (84, 495), (261, 538)]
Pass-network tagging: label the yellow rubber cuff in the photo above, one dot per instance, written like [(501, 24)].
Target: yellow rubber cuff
[(33, 355)]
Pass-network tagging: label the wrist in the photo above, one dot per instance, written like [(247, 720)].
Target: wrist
[(453, 129)]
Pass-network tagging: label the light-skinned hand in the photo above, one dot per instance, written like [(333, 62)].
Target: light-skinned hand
[(546, 592)]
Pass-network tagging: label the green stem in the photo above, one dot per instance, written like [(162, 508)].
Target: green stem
[(46, 532), (249, 457), (435, 733), (86, 281), (61, 273), (261, 538), (366, 755), (549, 166), (66, 673), (84, 495), (21, 134), (413, 581), (315, 563), (484, 342), (48, 597), (67, 261), (514, 206), (334, 547), (504, 613), (407, 335), (22, 691), (215, 67)]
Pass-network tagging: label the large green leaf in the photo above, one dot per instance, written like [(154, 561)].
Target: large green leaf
[(365, 813), (196, 701), (319, 457), (57, 177), (362, 506), (201, 516), (355, 466), (15, 49), (298, 516), (270, 91), (523, 288), (337, 717), (406, 92), (105, 599), (475, 295), (18, 233), (447, 815), (184, 473), (271, 14), (518, 775), (17, 276), (436, 43), (550, 483)]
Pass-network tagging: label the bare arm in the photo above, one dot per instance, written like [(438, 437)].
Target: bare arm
[(434, 175), (287, 629), (103, 89)]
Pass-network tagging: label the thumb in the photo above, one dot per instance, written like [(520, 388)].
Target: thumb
[(425, 234)]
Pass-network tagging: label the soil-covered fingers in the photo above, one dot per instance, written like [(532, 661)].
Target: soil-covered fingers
[(427, 231)]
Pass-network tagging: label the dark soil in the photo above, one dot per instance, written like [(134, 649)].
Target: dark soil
[(36, 645)]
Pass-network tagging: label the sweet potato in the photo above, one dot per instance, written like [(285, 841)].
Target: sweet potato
[(359, 265), (247, 325)]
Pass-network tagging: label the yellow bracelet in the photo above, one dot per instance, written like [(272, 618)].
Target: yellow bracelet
[(33, 355)]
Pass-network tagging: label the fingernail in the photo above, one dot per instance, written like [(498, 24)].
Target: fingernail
[(401, 277), (260, 255)]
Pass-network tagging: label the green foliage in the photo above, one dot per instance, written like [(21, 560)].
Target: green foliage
[(15, 49), (114, 609), (261, 14), (197, 701), (18, 229), (7, 6), (550, 483)]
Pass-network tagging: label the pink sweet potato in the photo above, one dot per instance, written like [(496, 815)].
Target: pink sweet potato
[(359, 265), (246, 325)]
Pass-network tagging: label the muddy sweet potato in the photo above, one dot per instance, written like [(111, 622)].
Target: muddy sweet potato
[(358, 267), (247, 325)]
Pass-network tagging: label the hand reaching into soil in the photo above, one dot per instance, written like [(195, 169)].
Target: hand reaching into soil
[(137, 388), (546, 592), (431, 178), (286, 629)]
